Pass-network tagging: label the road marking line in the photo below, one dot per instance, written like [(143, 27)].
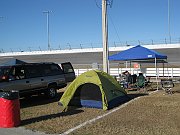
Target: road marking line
[(101, 116)]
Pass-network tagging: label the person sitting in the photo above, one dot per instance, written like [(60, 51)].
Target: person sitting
[(133, 80), (127, 78)]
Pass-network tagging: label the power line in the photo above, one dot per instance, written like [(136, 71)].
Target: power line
[(109, 2), (97, 4), (114, 28)]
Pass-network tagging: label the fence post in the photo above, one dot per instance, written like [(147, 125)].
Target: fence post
[(59, 47), (165, 41), (81, 46), (40, 48), (139, 42), (152, 42), (77, 72), (126, 43), (170, 39), (69, 46), (114, 44), (91, 45)]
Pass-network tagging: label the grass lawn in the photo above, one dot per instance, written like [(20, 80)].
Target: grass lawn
[(154, 114)]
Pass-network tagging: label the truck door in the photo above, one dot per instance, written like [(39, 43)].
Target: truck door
[(34, 77), (68, 71)]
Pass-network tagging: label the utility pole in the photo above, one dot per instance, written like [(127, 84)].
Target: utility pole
[(105, 36), (47, 15)]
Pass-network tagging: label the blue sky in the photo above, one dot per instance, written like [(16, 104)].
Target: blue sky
[(75, 22)]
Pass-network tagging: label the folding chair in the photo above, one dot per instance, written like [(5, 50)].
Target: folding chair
[(141, 83), (167, 85), (148, 84)]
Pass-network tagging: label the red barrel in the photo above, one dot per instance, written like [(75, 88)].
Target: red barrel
[(9, 109)]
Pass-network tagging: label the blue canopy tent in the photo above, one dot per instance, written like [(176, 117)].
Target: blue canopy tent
[(137, 53), (140, 54)]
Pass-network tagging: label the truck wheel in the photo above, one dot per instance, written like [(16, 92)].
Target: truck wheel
[(51, 92)]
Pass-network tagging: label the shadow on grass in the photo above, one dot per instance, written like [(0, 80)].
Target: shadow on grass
[(38, 100), (125, 99), (128, 98), (51, 116), (176, 91), (135, 95)]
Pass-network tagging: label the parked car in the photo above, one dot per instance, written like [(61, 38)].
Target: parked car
[(31, 78)]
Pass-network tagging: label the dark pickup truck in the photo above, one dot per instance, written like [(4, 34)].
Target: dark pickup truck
[(33, 78)]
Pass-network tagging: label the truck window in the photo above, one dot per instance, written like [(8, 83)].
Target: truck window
[(17, 73), (4, 73), (52, 69), (4, 70), (33, 71), (67, 68)]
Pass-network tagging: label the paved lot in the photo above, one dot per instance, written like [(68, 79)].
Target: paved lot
[(18, 131)]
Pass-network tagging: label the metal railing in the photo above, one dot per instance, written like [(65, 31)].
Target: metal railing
[(150, 72), (70, 46)]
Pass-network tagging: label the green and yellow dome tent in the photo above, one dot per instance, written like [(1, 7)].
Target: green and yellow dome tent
[(95, 89)]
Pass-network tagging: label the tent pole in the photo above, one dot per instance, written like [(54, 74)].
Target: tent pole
[(130, 67), (163, 69), (156, 72), (167, 68), (118, 68)]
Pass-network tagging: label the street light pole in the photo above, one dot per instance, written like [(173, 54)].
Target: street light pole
[(47, 15), (105, 36), (169, 31)]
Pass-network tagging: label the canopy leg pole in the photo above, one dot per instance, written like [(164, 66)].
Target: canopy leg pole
[(167, 68), (156, 73), (163, 69), (118, 69), (130, 67)]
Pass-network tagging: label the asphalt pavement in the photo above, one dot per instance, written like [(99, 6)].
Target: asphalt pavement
[(19, 131)]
